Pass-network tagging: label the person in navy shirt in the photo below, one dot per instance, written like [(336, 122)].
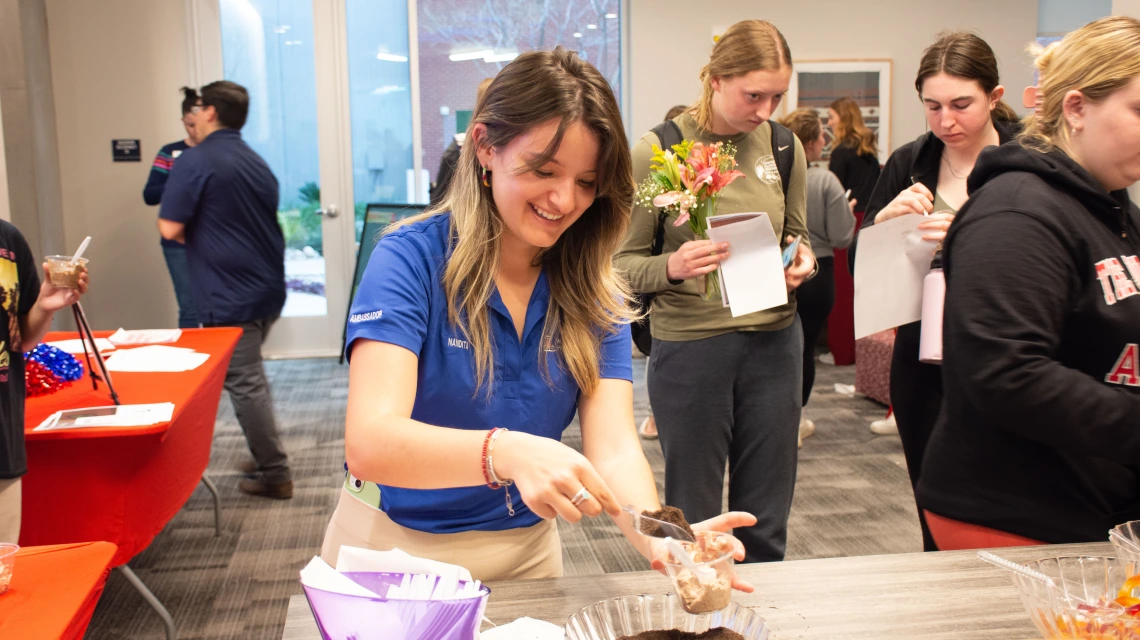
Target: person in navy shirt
[(175, 252), (221, 202), (482, 326)]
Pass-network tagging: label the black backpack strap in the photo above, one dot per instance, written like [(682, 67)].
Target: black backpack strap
[(669, 134), (784, 148)]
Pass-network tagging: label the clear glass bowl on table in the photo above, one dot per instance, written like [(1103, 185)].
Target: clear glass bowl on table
[(1082, 601), (630, 615)]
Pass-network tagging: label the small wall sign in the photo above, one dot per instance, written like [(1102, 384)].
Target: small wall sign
[(126, 151)]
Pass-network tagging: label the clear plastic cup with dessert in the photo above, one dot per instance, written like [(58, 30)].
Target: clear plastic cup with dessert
[(65, 273), (710, 589)]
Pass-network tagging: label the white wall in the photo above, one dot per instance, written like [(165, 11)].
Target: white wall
[(1129, 8), (671, 41), (116, 69), (1058, 17), (5, 211)]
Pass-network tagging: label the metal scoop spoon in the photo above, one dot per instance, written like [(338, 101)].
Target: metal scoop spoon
[(664, 529)]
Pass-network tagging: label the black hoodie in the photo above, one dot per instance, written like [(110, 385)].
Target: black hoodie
[(1040, 427)]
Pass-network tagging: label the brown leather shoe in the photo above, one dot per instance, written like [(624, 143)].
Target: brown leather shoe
[(248, 467), (257, 486)]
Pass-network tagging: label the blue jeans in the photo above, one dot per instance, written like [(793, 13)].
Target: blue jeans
[(179, 268)]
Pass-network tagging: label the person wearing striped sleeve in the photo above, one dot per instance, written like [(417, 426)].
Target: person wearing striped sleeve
[(174, 252)]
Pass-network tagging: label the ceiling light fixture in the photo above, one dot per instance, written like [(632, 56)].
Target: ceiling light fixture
[(501, 57), (470, 55)]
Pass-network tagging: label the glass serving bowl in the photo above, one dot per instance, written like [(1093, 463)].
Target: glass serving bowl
[(1127, 545), (630, 615), (1081, 601)]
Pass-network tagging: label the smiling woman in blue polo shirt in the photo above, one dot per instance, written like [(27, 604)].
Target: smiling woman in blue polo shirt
[(481, 327)]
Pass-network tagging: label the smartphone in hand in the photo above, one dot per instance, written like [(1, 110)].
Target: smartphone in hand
[(791, 250)]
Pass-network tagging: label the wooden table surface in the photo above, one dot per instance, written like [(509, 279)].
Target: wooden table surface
[(932, 596)]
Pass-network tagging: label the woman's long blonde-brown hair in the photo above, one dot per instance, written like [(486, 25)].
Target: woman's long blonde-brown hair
[(747, 46), (1098, 59), (588, 299), (849, 128)]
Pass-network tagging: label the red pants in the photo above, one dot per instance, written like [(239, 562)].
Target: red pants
[(953, 535)]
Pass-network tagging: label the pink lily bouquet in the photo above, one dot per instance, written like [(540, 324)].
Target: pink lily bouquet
[(686, 182)]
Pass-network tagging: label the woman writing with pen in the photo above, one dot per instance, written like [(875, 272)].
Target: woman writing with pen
[(958, 86)]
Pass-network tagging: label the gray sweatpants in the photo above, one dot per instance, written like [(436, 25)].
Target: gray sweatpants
[(253, 405), (733, 397)]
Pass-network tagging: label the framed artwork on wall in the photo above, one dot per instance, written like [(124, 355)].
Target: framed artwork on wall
[(816, 83)]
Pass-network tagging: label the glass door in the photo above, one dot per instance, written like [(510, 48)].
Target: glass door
[(330, 111), (355, 102)]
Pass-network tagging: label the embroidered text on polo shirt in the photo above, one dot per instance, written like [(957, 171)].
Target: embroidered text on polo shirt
[(365, 317)]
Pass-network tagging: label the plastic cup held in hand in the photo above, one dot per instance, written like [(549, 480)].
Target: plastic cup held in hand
[(708, 586), (64, 271), (7, 564)]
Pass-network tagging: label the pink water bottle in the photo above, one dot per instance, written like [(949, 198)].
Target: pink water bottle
[(933, 297)]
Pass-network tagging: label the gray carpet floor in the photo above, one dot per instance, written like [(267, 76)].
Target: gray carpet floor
[(852, 497)]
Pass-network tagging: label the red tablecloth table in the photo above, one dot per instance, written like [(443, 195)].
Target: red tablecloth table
[(54, 590), (123, 484)]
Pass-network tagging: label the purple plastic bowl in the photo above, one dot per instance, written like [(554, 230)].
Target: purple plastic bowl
[(344, 617)]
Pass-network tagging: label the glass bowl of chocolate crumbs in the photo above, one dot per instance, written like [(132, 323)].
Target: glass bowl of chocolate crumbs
[(662, 617)]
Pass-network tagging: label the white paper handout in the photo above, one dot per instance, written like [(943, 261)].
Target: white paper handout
[(888, 283), (122, 337), (75, 345), (126, 415), (752, 278), (156, 358)]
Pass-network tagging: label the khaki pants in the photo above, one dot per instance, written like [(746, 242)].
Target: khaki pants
[(10, 505), (515, 554)]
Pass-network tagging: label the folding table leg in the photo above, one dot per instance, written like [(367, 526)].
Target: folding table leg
[(217, 505), (150, 599)]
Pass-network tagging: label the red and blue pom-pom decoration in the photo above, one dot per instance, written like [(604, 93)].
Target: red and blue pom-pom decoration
[(48, 369)]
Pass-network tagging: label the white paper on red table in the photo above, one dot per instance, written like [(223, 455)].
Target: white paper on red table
[(156, 359), (75, 345), (122, 337), (126, 415)]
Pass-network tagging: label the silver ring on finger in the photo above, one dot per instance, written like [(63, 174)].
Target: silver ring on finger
[(580, 497)]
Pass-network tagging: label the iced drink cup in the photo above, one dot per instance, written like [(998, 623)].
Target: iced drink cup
[(63, 272)]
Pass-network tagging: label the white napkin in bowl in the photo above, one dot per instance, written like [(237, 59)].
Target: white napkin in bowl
[(319, 575), (395, 561)]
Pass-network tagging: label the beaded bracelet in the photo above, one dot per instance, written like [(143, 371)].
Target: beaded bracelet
[(493, 480)]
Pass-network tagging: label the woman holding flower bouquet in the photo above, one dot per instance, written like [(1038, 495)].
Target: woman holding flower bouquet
[(723, 388), (482, 326)]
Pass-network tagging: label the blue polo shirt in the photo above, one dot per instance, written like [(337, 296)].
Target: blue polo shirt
[(401, 301), (226, 195)]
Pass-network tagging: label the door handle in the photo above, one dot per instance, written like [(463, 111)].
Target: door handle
[(328, 212)]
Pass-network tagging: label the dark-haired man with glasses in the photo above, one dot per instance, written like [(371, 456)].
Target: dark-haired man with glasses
[(221, 201)]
